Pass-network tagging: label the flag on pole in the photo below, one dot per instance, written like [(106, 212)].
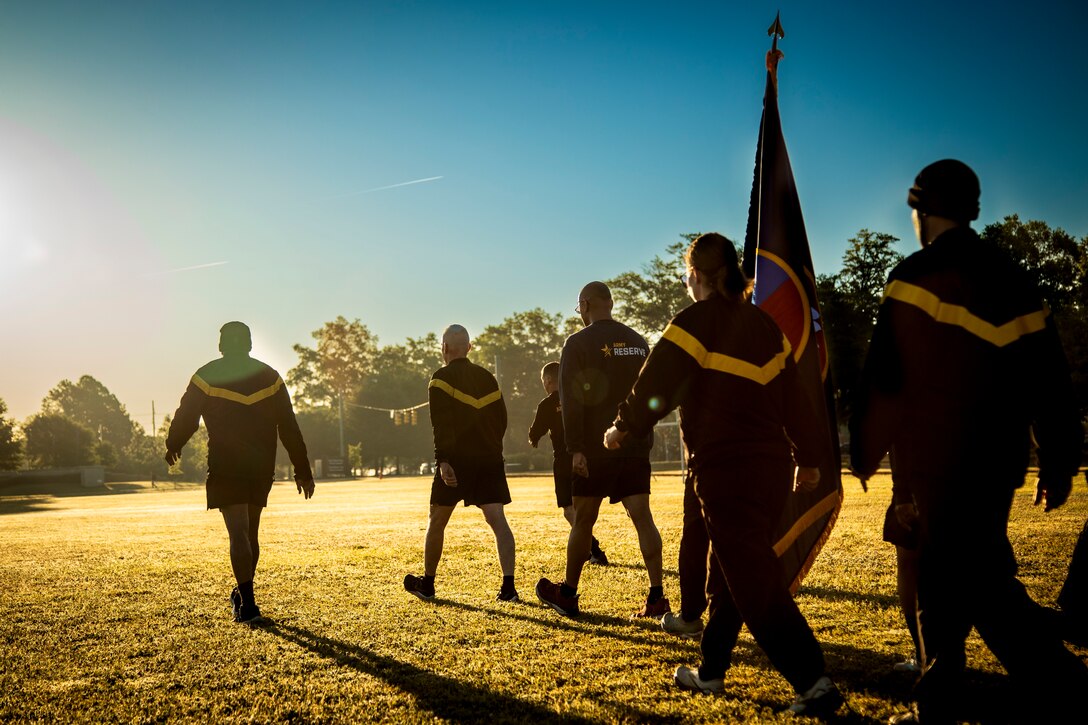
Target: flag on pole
[(776, 254)]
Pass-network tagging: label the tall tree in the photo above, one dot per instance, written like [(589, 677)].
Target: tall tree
[(55, 441), (866, 263), (89, 403), (11, 448), (647, 300), (336, 366)]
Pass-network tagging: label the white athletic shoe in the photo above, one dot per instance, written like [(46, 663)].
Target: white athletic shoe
[(823, 698), (687, 678), (910, 665), (675, 624)]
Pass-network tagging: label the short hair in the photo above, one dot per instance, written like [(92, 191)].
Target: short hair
[(550, 370), (456, 336), (596, 290), (235, 337)]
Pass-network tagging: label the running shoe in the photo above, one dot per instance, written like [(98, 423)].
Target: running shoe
[(235, 601), (656, 610), (676, 624), (550, 594), (910, 665), (510, 596), (823, 698), (687, 678), (248, 614), (415, 586), (596, 555)]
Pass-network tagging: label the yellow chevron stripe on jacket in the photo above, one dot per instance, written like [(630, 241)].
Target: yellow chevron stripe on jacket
[(465, 397), (214, 392), (761, 374), (949, 314)]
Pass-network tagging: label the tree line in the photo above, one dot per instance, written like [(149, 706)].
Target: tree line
[(355, 396)]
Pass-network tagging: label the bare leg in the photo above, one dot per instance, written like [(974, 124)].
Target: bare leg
[(436, 536), (254, 527), (568, 514), (236, 517), (504, 537), (586, 509), (649, 538)]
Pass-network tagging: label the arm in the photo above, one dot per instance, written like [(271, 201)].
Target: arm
[(185, 422), (291, 437), (443, 424), (539, 425), (660, 387), (872, 423), (571, 363)]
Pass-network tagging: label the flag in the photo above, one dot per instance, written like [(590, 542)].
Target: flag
[(776, 254)]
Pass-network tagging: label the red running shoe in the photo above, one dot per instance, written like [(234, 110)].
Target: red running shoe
[(549, 593)]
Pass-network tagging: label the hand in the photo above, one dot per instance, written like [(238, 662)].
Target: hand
[(907, 515), (613, 437), (580, 465), (305, 484), (806, 479), (445, 470), (862, 477), (172, 457), (1054, 490)]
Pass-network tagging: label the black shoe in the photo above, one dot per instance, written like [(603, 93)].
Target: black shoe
[(416, 586), (235, 601), (596, 556), (510, 596), (248, 614)]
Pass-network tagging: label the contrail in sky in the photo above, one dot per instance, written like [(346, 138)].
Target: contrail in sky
[(391, 186), (187, 269)]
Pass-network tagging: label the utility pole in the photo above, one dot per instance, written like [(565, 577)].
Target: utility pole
[(340, 398)]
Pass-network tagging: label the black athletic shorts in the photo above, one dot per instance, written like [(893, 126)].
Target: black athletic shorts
[(563, 476), (614, 478), (230, 491), (896, 533), (479, 482)]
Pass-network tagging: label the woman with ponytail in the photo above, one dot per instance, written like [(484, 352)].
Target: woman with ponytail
[(746, 425)]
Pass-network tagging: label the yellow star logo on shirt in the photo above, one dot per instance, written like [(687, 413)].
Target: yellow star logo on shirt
[(607, 351)]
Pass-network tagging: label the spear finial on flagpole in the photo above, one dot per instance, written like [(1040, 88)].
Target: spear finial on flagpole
[(774, 54)]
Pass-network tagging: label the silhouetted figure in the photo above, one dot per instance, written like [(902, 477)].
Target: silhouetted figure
[(549, 419), (244, 405), (598, 366), (468, 417), (963, 361), (730, 370)]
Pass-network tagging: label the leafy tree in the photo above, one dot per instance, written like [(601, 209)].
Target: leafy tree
[(398, 381), (646, 301), (866, 263), (336, 367), (144, 455), (89, 403), (11, 448), (193, 465), (1055, 260), (55, 441)]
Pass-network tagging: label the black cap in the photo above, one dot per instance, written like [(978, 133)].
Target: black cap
[(946, 188)]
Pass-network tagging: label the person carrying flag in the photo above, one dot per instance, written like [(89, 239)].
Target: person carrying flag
[(730, 370), (244, 405), (964, 362), (468, 416)]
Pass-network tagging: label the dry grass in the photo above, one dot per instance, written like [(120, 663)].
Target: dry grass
[(114, 608)]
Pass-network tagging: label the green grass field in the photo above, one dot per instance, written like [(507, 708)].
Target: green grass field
[(114, 608)]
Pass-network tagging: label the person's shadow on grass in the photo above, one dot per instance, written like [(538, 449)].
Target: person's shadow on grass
[(445, 697)]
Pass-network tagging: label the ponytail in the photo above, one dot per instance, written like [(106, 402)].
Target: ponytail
[(716, 257)]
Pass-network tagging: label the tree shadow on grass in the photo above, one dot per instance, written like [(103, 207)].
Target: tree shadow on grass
[(24, 504), (885, 601), (633, 567), (445, 697)]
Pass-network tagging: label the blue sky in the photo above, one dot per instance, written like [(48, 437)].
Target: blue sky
[(574, 140)]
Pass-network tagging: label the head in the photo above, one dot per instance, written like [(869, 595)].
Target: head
[(549, 377), (594, 303), (945, 195), (234, 339), (713, 269), (455, 343)]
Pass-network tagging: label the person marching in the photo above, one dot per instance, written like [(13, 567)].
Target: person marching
[(964, 361), (731, 371), (244, 405), (597, 368), (549, 419), (468, 417)]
